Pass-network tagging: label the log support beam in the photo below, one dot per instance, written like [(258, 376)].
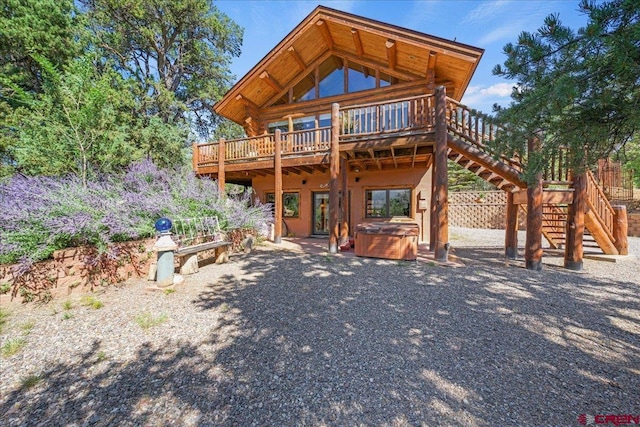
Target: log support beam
[(392, 55), (533, 245), (573, 251), (277, 166), (344, 203), (441, 252), (511, 232), (357, 42), (334, 170), (221, 151)]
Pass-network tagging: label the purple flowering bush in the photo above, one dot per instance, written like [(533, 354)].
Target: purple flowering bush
[(39, 215)]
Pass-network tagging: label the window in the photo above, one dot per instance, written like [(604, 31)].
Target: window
[(388, 203), (290, 204)]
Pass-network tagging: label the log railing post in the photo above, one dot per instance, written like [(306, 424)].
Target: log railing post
[(620, 229), (511, 232), (574, 250), (334, 170), (277, 166), (441, 252), (221, 158)]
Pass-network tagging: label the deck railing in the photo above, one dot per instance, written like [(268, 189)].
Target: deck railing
[(388, 117), (477, 129)]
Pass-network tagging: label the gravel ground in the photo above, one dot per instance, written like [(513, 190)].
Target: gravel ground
[(281, 338)]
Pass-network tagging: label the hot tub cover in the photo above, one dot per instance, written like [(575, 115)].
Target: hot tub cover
[(389, 228)]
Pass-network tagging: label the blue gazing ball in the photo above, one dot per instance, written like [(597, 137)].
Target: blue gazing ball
[(163, 225)]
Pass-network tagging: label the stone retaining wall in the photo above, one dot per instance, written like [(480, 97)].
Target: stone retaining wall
[(76, 270)]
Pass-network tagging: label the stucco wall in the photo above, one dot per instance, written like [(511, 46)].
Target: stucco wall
[(418, 179)]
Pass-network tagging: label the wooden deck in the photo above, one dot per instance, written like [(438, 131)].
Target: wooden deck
[(382, 135)]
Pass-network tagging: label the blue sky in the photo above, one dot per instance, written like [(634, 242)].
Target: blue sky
[(484, 24)]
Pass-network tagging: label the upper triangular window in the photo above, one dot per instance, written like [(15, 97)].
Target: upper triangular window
[(333, 81)]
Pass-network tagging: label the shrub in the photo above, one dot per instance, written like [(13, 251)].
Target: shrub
[(39, 215)]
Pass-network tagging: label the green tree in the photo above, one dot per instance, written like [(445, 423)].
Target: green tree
[(575, 90), (45, 28), (178, 52), (79, 124)]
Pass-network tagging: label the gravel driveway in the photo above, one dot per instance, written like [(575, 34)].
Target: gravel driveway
[(279, 338)]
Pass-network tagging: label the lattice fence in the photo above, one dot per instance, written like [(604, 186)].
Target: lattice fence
[(479, 209)]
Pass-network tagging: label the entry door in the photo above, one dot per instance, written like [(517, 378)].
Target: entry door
[(320, 213)]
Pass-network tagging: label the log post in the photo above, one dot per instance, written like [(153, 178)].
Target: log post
[(620, 229), (195, 156), (334, 170), (277, 166), (574, 250), (511, 232), (344, 204), (533, 245), (221, 178), (432, 210), (441, 252)]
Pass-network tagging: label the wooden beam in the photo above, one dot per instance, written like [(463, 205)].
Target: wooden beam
[(549, 197), (357, 42), (297, 58), (511, 232), (391, 53), (299, 77), (333, 180), (393, 156), (277, 166), (373, 157), (441, 252), (221, 152), (326, 35), (431, 71), (415, 152), (271, 81), (573, 250)]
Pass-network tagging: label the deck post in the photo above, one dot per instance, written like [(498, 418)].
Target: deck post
[(620, 229), (221, 151), (441, 252), (195, 156), (334, 170), (511, 232), (344, 203), (574, 250), (432, 210), (533, 245), (277, 166)]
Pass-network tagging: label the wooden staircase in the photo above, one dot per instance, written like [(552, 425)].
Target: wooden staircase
[(470, 138)]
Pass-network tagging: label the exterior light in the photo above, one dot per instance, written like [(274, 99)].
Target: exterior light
[(163, 225)]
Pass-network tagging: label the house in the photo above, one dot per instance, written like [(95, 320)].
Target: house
[(351, 120)]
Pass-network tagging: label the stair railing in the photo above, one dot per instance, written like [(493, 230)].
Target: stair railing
[(477, 129), (598, 202)]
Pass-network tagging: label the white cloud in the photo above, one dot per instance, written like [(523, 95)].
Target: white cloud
[(508, 31), (483, 98), (485, 11)]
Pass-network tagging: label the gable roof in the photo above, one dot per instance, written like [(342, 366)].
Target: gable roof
[(407, 54)]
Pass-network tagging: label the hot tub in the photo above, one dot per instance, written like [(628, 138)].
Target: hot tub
[(387, 240)]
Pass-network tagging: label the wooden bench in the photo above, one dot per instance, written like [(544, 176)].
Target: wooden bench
[(195, 235)]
